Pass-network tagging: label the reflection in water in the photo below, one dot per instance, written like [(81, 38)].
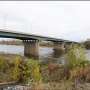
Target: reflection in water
[(45, 52)]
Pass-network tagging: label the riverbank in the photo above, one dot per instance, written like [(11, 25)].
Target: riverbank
[(30, 73)]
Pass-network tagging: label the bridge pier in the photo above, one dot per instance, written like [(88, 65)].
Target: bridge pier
[(31, 48), (59, 48), (68, 45)]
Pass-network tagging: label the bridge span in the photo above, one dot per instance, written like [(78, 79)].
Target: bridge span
[(31, 41)]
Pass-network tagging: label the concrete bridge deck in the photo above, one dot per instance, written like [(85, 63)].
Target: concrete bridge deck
[(27, 36)]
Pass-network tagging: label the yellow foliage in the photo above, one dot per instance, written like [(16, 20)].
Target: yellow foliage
[(34, 68), (16, 70)]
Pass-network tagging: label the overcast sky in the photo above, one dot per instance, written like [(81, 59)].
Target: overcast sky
[(60, 19)]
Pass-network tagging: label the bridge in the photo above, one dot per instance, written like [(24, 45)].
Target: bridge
[(31, 41)]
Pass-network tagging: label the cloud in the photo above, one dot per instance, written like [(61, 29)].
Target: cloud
[(67, 20)]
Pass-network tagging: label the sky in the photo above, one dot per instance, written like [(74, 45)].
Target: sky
[(68, 20)]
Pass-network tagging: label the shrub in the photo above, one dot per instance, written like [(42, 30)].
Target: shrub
[(33, 71), (77, 63), (76, 57), (3, 64), (16, 70)]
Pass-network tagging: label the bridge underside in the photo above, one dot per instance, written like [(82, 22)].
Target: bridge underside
[(25, 36), (31, 42)]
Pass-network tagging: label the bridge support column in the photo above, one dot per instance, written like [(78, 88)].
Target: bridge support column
[(31, 48), (59, 48), (68, 45)]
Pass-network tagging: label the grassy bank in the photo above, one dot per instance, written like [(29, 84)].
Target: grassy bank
[(51, 76)]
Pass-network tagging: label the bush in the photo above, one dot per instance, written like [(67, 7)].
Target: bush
[(17, 70), (33, 71), (3, 64), (76, 57), (77, 63)]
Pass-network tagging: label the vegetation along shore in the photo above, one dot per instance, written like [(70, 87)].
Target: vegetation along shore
[(73, 75)]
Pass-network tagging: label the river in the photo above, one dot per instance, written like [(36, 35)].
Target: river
[(44, 52), (14, 49)]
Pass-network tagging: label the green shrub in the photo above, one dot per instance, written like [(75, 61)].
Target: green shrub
[(33, 71), (3, 64), (16, 70), (76, 57)]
